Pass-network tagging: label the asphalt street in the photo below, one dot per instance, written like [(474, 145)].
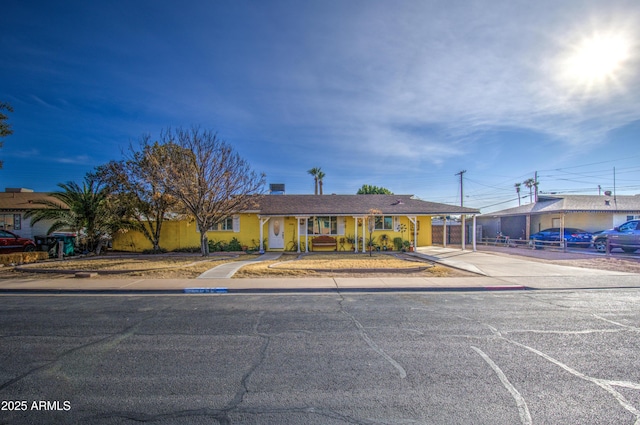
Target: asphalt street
[(544, 357)]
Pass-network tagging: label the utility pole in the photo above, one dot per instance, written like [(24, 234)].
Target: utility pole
[(461, 188)]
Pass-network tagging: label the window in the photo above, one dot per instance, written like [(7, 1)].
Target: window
[(384, 223), (629, 226), (225, 225), (10, 221), (323, 225)]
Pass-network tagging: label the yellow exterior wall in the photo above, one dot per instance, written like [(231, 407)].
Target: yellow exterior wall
[(591, 222), (183, 234)]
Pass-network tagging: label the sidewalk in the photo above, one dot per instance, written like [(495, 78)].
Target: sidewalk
[(493, 271)]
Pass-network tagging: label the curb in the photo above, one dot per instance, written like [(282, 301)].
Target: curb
[(223, 291)]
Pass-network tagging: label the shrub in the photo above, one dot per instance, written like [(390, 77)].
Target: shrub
[(215, 246), (397, 243), (23, 257), (233, 245)]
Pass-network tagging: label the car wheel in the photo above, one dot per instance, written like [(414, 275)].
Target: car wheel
[(29, 248), (600, 245), (629, 250)]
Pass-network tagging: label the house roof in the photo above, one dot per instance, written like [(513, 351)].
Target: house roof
[(575, 203), (311, 205), (22, 201)]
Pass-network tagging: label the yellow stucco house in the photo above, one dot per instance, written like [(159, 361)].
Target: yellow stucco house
[(305, 223)]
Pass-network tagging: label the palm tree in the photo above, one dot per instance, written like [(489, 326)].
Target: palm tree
[(321, 175), (517, 185), (85, 210), (314, 172), (530, 183)]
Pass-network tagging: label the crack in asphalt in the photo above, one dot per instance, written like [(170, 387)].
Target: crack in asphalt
[(523, 409), (605, 384), (108, 340), (363, 334), (223, 415)]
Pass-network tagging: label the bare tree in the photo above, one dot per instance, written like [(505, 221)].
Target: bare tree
[(131, 182), (5, 129), (370, 219), (207, 177)]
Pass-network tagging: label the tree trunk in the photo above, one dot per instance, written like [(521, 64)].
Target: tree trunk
[(204, 244)]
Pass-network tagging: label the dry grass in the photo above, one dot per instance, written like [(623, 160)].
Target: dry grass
[(191, 266), (148, 266), (352, 265), (349, 262)]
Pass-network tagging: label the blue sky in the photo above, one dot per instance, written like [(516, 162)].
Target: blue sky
[(400, 94)]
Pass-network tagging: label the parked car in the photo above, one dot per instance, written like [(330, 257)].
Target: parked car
[(10, 242), (626, 236), (574, 237)]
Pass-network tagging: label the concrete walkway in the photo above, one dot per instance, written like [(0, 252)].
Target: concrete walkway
[(227, 270)]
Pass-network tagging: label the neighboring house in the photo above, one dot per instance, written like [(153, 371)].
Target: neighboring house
[(588, 212), (14, 202), (292, 222)]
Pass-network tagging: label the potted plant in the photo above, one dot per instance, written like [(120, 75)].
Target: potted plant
[(384, 240), (351, 240), (405, 246)]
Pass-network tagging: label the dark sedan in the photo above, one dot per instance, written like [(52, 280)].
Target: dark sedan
[(10, 242), (574, 237), (625, 236)]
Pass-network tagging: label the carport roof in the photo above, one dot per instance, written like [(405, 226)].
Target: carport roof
[(312, 205), (574, 203)]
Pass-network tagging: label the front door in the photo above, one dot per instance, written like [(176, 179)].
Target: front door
[(276, 233)]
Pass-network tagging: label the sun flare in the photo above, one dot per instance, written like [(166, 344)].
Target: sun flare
[(598, 59)]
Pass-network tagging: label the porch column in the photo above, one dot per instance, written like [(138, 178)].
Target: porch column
[(444, 231), (263, 221), (306, 234), (464, 230), (473, 238), (563, 245), (355, 242)]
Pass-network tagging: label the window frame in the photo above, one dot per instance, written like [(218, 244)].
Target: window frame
[(382, 220), (13, 219), (225, 225), (333, 225)]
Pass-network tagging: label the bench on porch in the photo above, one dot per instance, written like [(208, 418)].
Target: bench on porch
[(324, 242)]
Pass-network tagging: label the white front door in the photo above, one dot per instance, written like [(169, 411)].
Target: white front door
[(276, 233)]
